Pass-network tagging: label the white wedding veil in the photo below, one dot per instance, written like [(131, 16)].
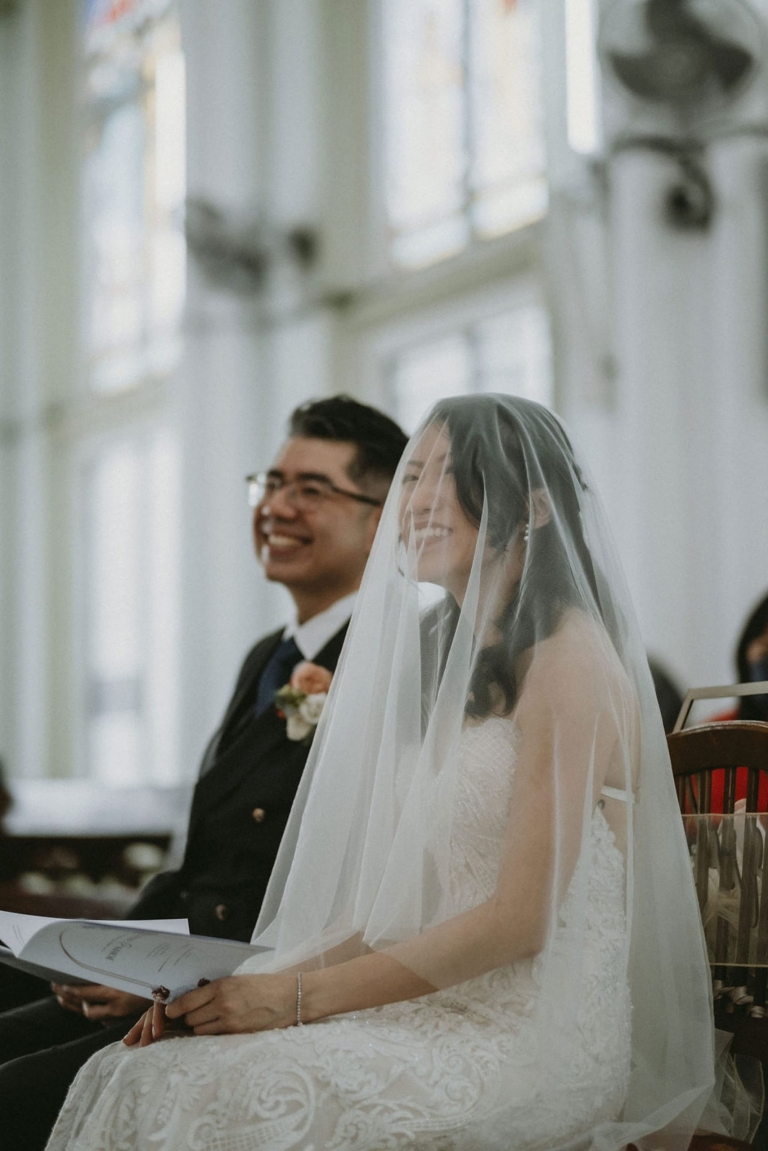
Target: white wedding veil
[(493, 595)]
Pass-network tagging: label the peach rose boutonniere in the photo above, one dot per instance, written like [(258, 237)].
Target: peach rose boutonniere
[(302, 700)]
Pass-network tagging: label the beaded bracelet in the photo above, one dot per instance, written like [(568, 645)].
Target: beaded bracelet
[(299, 1020)]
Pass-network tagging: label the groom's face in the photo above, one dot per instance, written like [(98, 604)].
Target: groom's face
[(319, 550)]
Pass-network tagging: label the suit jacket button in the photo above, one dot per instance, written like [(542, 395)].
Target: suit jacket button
[(259, 814), (221, 911)]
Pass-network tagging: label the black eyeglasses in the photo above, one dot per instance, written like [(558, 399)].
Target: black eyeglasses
[(306, 494)]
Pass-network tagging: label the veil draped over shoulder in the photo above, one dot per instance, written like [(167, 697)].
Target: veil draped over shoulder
[(493, 596)]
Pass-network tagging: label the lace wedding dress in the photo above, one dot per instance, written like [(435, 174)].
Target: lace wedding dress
[(421, 1074)]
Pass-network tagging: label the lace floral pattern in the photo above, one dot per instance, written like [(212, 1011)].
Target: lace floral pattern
[(455, 1071), (480, 810)]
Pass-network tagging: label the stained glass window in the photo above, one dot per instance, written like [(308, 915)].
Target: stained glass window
[(507, 352), (463, 119), (134, 188)]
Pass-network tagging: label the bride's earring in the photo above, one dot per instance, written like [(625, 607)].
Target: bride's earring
[(527, 533)]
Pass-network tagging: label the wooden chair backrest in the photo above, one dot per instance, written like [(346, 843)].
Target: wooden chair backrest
[(698, 751)]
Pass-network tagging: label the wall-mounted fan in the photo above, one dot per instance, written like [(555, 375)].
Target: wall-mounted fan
[(676, 68), (687, 54)]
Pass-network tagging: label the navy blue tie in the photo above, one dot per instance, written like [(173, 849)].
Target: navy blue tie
[(277, 673)]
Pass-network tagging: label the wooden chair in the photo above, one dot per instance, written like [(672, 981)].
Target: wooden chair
[(74, 868), (732, 849), (728, 855)]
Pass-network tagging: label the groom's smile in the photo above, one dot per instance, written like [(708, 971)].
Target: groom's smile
[(279, 544), (314, 546)]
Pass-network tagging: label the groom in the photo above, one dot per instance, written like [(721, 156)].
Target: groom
[(315, 516)]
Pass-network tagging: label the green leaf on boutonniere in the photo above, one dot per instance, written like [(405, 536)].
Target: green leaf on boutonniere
[(289, 698)]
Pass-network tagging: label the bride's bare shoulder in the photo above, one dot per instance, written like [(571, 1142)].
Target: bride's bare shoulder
[(576, 633), (578, 654)]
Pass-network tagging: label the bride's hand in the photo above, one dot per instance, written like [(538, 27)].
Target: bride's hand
[(238, 1003), (148, 1028)]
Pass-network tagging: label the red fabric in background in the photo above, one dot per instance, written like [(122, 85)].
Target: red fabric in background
[(718, 789), (718, 777)]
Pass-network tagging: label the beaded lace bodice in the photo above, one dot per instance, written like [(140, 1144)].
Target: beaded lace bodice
[(481, 809)]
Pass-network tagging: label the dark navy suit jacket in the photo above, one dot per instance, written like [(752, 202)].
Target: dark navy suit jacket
[(248, 779)]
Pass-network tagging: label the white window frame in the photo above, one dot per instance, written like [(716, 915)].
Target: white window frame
[(377, 343), (85, 450)]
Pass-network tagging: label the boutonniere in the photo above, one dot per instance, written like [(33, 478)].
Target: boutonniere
[(302, 700)]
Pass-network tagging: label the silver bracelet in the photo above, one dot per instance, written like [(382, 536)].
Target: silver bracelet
[(299, 1020)]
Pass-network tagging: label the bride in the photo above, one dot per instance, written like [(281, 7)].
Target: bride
[(482, 915)]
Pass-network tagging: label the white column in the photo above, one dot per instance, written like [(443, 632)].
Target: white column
[(300, 192), (224, 399), (660, 278)]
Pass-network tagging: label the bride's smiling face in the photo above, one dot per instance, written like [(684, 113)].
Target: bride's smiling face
[(431, 518)]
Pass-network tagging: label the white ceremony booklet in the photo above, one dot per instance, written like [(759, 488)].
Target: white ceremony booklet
[(145, 957)]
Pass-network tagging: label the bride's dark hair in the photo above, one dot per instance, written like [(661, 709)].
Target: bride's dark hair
[(503, 449)]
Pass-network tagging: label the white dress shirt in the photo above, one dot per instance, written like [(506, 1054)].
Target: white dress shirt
[(312, 636)]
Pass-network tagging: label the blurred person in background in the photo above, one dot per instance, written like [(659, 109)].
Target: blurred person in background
[(752, 664), (668, 695)]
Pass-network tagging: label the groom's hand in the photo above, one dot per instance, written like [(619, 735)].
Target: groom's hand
[(97, 1002), (238, 1003)]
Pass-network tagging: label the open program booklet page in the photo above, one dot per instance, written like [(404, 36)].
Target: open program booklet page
[(145, 957)]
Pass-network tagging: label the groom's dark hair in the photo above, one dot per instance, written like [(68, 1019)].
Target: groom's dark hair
[(379, 441)]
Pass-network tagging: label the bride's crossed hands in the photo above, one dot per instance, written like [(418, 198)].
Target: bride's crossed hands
[(224, 1007)]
